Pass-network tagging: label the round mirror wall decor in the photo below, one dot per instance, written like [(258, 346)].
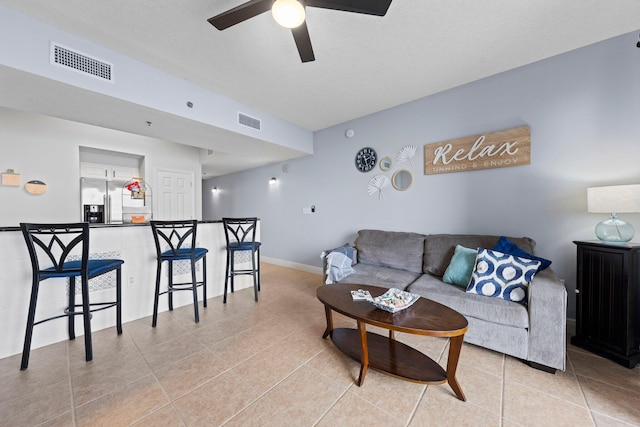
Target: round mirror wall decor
[(402, 180), (385, 163)]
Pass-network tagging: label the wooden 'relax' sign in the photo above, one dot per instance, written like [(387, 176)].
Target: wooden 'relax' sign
[(505, 148)]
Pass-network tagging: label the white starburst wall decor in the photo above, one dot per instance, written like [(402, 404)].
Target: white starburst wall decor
[(406, 154), (376, 184)]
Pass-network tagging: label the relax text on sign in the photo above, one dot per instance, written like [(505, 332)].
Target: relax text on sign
[(511, 147)]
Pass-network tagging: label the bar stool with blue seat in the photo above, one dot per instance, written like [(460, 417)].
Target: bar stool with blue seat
[(62, 251), (176, 241), (241, 237)]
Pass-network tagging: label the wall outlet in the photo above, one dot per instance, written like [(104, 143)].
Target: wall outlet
[(130, 281), (306, 211)]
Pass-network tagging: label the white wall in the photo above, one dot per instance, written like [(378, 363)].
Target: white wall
[(582, 107), (47, 149), (25, 44)]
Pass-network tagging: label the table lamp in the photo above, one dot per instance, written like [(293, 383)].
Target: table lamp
[(613, 200)]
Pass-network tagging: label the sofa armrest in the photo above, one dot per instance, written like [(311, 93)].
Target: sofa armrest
[(547, 306)]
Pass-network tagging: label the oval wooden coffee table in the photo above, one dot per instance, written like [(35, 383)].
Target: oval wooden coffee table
[(424, 317)]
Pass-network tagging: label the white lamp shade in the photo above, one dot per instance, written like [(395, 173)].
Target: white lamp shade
[(613, 199), (288, 13)]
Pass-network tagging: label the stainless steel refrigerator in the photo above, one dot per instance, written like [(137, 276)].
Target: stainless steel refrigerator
[(101, 200)]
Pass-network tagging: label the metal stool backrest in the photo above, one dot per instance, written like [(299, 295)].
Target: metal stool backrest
[(174, 238), (54, 244), (240, 231)]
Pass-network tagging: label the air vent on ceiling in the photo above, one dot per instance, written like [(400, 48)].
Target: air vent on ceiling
[(249, 121), (80, 62)]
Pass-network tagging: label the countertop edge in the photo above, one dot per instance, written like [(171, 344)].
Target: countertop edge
[(17, 228)]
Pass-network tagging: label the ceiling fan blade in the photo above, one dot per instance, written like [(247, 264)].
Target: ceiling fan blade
[(303, 42), (369, 7), (240, 13)]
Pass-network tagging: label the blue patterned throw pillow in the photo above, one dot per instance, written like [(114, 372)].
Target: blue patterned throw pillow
[(502, 275)]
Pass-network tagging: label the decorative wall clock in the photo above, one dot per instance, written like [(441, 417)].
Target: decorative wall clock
[(366, 159)]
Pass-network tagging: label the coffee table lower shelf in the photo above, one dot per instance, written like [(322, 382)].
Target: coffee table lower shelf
[(390, 356)]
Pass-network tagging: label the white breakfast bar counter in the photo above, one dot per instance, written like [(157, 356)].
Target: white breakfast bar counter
[(132, 243)]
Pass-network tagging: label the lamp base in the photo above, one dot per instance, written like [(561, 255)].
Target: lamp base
[(614, 229)]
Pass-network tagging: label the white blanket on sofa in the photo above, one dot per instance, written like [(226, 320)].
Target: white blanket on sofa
[(338, 267)]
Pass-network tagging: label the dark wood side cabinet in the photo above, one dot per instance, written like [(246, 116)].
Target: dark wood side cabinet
[(608, 301)]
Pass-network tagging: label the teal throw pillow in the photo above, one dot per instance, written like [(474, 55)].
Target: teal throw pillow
[(502, 275), (461, 266)]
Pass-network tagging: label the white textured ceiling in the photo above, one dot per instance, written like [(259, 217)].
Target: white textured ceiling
[(363, 63)]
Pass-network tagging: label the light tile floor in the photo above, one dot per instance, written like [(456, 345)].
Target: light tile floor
[(265, 364)]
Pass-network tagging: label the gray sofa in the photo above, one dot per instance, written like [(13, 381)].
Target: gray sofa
[(534, 332)]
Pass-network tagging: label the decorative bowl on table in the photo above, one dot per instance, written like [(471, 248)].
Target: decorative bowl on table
[(395, 300)]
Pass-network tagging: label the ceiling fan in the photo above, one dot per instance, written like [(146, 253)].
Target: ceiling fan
[(291, 14)]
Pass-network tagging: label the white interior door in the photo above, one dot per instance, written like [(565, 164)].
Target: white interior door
[(175, 195)]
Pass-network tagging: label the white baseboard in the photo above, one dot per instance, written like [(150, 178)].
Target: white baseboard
[(294, 265)]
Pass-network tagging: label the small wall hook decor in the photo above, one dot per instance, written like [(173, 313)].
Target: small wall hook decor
[(10, 177)]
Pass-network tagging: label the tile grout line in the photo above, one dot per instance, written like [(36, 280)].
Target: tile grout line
[(617, 420), (592, 411), (263, 394), (424, 391), (229, 369), (502, 387), (600, 380), (584, 396), (74, 417), (171, 401), (335, 402), (71, 395), (415, 407)]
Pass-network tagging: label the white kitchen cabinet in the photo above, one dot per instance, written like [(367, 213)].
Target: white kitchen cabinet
[(108, 172)]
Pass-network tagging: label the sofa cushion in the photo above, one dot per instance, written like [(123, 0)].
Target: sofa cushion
[(393, 249), (384, 277), (439, 248), (489, 309), (461, 266), (502, 276)]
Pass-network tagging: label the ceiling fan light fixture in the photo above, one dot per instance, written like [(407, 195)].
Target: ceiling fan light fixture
[(288, 13)]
